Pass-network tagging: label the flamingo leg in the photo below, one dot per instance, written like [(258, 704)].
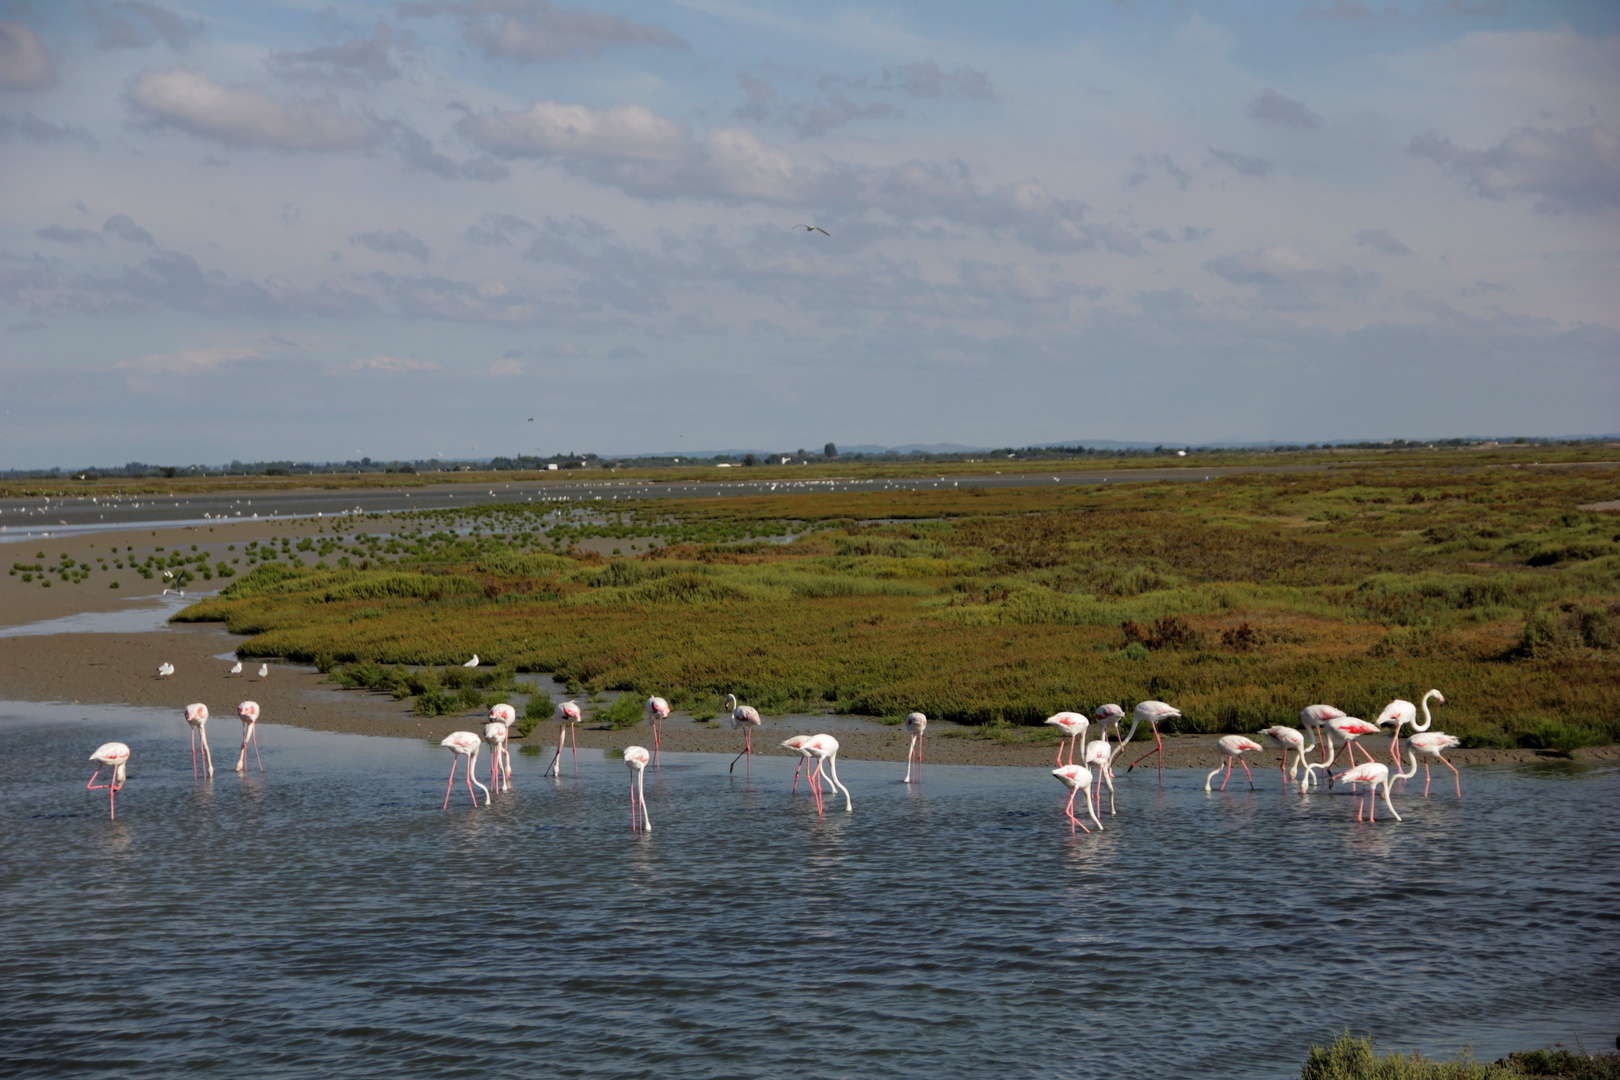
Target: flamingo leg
[(1247, 773), (635, 822), (253, 729), (1455, 774), (641, 794), (1426, 780), (555, 768), (1158, 742), (738, 758), (194, 753), (573, 733), (450, 784), (815, 786), (1228, 774), (658, 741), (796, 770)]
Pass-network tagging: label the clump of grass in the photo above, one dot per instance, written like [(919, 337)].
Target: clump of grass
[(1351, 1058), (626, 711), (1560, 737), (1566, 1065)]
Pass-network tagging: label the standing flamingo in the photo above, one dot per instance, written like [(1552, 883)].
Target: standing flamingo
[(1098, 753), (637, 757), (1374, 774), (1290, 739), (796, 744), (1431, 744), (115, 754), (657, 713), (1344, 731), (916, 724), (501, 719), (463, 744), (567, 715), (747, 718), (1108, 717), (825, 747), (1313, 717), (197, 717), (248, 711), (1428, 743), (1232, 748), (1077, 778), (1071, 726), (1151, 713)]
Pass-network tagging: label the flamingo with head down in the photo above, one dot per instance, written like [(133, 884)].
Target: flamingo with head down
[(1152, 713), (1071, 726), (116, 755), (1291, 740), (197, 717), (496, 731), (657, 713), (248, 712), (916, 724), (1313, 717), (1077, 778), (825, 748), (463, 744), (567, 715), (1232, 748), (1375, 774), (636, 757)]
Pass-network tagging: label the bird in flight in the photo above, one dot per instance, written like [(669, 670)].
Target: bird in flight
[(530, 420), (813, 228)]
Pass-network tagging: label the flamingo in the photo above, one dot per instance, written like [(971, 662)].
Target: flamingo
[(1344, 731), (825, 748), (1076, 778), (747, 718), (916, 724), (796, 744), (115, 754), (1232, 748), (1428, 743), (165, 669), (567, 715), (657, 713), (1108, 716), (637, 757), (197, 717), (1097, 753), (248, 711), (501, 719), (463, 744), (1431, 744), (473, 662), (236, 669), (264, 671), (1151, 713), (1290, 739), (1071, 726), (1374, 774), (1313, 717)]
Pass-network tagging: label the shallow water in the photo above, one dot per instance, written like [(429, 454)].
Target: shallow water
[(328, 917), (144, 613)]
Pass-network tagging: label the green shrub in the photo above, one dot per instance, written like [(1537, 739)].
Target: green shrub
[(538, 709), (1561, 736), (1350, 1058), (435, 702), (626, 711)]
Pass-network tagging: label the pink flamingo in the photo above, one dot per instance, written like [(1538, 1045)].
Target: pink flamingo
[(1344, 731), (1313, 717), (116, 755), (1077, 778), (636, 757), (567, 715), (1290, 739), (796, 744), (248, 712), (197, 717), (1430, 744), (1071, 726), (657, 713), (916, 724), (825, 748), (1151, 713), (463, 744), (747, 718), (1374, 774), (1106, 717), (501, 719), (1097, 752), (1232, 748)]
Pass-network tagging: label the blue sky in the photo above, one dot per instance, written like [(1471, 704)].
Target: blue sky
[(319, 231)]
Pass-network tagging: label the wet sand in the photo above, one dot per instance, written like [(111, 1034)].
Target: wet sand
[(119, 668)]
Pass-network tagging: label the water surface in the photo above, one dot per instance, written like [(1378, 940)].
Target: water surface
[(328, 918)]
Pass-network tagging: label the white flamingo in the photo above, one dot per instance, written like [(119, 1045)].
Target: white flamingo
[(1099, 753), (636, 757), (916, 724), (1077, 778), (567, 715), (463, 744), (1232, 748), (501, 719), (1314, 717), (1070, 725), (1291, 740), (116, 755), (1151, 713), (657, 713), (825, 749), (197, 717), (1375, 774), (747, 718), (248, 713)]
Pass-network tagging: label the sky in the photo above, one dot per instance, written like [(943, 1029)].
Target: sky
[(318, 230)]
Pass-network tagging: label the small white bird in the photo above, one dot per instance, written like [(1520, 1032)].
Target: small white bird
[(473, 662), (165, 669), (236, 668), (264, 671)]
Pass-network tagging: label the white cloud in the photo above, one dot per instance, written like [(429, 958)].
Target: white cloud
[(241, 116), (189, 361), (25, 63), (392, 365), (530, 31), (506, 366), (622, 133), (398, 242)]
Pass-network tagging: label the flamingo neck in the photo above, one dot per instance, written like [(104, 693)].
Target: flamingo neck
[(1427, 719)]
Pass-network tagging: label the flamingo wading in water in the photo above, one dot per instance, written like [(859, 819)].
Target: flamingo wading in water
[(747, 718), (1431, 744), (825, 747), (1314, 717), (1077, 778), (796, 744), (916, 724), (197, 717), (1071, 726), (567, 715), (1232, 748), (248, 713), (116, 755), (1292, 740), (657, 713), (636, 758), (1375, 774), (501, 719), (1151, 713), (463, 744), (1098, 753)]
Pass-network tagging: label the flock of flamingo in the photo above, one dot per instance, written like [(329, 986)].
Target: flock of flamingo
[(1327, 729)]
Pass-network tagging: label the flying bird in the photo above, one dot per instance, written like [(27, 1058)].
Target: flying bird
[(813, 228)]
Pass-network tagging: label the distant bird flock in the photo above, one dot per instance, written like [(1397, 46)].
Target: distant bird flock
[(1327, 730)]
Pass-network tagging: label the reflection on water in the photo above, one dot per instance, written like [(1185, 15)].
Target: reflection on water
[(328, 917)]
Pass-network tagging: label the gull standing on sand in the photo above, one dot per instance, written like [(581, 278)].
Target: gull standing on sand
[(1232, 748), (248, 713), (463, 744), (165, 669), (197, 717), (567, 715), (1077, 778), (115, 754), (747, 718), (916, 724), (636, 757), (264, 671), (236, 669)]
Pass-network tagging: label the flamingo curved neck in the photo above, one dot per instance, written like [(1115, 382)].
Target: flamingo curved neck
[(1427, 719)]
